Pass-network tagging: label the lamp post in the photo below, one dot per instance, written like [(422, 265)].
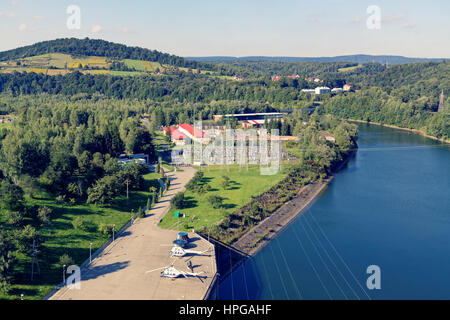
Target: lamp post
[(64, 275), (90, 252), (114, 229), (21, 296)]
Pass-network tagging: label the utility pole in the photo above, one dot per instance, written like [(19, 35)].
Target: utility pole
[(127, 182), (34, 260)]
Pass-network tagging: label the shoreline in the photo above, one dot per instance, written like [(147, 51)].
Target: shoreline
[(261, 234), (416, 131)]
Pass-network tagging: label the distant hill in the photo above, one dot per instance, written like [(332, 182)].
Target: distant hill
[(357, 58), (92, 47)]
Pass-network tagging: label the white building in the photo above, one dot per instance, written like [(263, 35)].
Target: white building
[(336, 90), (309, 90), (322, 90)]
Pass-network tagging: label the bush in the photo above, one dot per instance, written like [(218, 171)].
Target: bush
[(105, 229), (44, 215), (215, 201), (178, 201), (141, 213), (65, 259), (79, 224), (14, 218)]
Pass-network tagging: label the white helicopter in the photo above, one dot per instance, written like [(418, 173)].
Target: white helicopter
[(172, 272), (180, 252)]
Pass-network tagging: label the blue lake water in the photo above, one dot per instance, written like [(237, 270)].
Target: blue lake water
[(390, 207)]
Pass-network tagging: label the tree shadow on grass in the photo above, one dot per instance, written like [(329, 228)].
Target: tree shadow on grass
[(98, 271), (189, 202), (229, 206)]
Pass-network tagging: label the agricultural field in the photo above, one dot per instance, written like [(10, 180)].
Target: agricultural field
[(96, 62), (152, 66), (138, 65), (244, 183), (62, 238), (60, 64), (56, 60), (348, 69)]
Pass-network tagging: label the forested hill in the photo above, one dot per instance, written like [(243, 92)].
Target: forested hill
[(92, 47), (355, 58)]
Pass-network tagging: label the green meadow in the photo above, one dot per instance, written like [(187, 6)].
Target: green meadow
[(244, 184)]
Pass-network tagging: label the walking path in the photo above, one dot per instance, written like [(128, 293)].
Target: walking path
[(119, 272)]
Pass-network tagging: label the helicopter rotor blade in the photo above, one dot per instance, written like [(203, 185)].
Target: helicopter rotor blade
[(155, 269)]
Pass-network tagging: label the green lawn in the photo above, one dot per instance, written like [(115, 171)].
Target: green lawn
[(126, 73), (244, 184), (136, 64), (62, 238), (348, 69)]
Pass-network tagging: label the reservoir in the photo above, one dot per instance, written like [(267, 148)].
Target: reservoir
[(389, 207)]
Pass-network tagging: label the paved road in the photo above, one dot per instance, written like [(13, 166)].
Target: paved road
[(120, 271)]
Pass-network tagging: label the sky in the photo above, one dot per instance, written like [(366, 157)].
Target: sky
[(188, 28)]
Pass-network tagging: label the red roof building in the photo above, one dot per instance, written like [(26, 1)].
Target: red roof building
[(176, 134), (189, 131)]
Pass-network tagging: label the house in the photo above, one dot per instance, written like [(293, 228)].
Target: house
[(276, 78), (126, 159), (317, 80), (336, 90), (177, 137), (293, 76), (327, 136), (191, 132), (322, 90), (347, 87)]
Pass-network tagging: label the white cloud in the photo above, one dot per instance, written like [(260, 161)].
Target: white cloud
[(38, 17), (392, 18), (96, 29), (22, 27), (356, 20), (410, 25), (14, 2)]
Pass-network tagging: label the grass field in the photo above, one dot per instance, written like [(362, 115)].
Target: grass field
[(136, 64), (349, 68), (243, 185), (89, 61), (62, 238), (125, 73), (152, 66)]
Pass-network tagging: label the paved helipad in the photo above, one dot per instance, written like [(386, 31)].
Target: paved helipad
[(119, 272)]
